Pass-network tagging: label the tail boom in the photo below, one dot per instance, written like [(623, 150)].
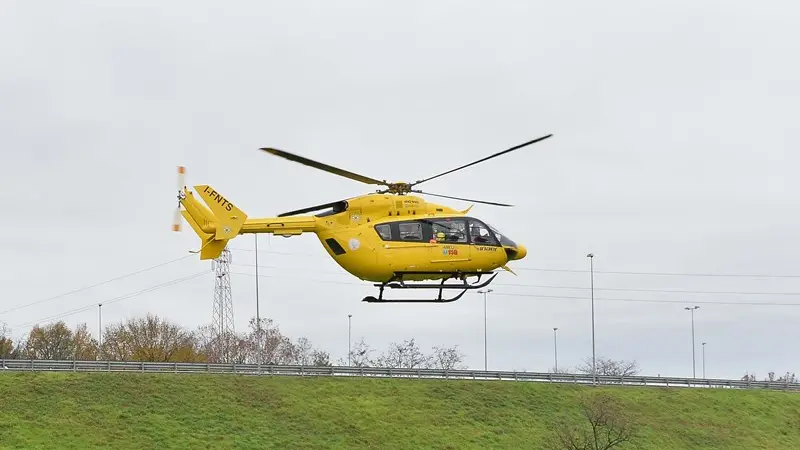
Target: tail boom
[(281, 226)]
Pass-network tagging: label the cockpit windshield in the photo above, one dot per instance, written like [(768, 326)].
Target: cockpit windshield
[(504, 240)]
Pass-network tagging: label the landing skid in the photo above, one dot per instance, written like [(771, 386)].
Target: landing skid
[(397, 282)]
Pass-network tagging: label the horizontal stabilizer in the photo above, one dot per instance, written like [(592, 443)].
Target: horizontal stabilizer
[(212, 249)]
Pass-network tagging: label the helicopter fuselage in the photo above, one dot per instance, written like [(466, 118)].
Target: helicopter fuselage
[(376, 236), (388, 237)]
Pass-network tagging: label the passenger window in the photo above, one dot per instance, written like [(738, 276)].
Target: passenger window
[(384, 231), (410, 231), (449, 231), (479, 233)]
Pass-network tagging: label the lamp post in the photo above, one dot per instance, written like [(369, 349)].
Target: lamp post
[(704, 360), (99, 330), (349, 330), (691, 310), (258, 313), (591, 278), (555, 348), (485, 357)]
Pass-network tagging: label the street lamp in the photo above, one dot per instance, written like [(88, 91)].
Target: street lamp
[(591, 278), (693, 357), (99, 331), (485, 358), (704, 359), (349, 330), (555, 347), (258, 313)]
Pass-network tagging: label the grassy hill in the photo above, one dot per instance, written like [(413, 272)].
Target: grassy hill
[(74, 410)]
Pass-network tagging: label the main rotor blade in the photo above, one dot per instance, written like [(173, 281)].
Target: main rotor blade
[(463, 199), (321, 166), (339, 203), (484, 159)]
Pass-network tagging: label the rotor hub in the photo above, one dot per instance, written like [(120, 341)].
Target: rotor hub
[(398, 188)]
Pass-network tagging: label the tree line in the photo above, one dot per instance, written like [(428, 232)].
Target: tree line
[(152, 338), (787, 378), (155, 339)]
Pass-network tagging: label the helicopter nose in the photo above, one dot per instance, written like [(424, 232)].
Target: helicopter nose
[(517, 252)]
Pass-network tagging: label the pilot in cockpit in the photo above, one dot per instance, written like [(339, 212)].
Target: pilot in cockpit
[(478, 234)]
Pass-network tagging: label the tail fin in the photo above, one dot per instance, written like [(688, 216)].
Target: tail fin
[(216, 223)]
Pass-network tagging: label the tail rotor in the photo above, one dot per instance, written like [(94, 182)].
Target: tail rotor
[(176, 220)]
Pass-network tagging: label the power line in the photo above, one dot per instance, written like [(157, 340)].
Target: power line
[(675, 274), (16, 308), (672, 274), (596, 288), (304, 269), (541, 286), (635, 300), (114, 300), (674, 291), (348, 283), (563, 297)]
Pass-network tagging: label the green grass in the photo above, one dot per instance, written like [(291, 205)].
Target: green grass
[(74, 410)]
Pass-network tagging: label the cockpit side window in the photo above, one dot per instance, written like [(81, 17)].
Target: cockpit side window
[(410, 231), (452, 231), (441, 230), (384, 231), (479, 233)]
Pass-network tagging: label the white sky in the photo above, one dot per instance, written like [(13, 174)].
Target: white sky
[(672, 122)]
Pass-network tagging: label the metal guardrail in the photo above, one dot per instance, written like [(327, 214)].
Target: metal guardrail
[(22, 365)]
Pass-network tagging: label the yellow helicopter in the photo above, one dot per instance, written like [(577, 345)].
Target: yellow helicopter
[(388, 237)]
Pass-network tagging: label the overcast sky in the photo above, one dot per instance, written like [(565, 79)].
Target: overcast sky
[(672, 120)]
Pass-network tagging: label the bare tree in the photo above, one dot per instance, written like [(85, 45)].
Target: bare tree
[(306, 354), (304, 351), (320, 358), (406, 355), (203, 337), (605, 424), (788, 378), (447, 358), (267, 344), (361, 354), (564, 369), (228, 347), (262, 342), (610, 367)]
